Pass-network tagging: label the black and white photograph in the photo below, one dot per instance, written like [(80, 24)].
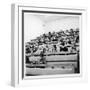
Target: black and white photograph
[(51, 43)]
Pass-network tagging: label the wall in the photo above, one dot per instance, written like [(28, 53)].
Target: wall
[(5, 45), (65, 23), (33, 27), (36, 24)]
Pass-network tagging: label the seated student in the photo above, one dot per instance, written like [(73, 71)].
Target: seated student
[(47, 48), (58, 46), (77, 39), (69, 49), (50, 48), (43, 59), (55, 48), (28, 50), (64, 49)]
